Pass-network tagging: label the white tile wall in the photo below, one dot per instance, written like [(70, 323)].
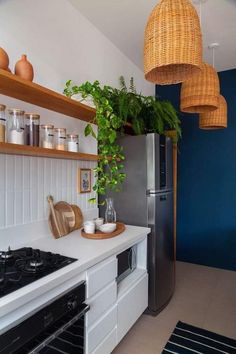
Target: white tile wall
[(26, 181)]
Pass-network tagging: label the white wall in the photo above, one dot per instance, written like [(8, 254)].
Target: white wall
[(61, 44)]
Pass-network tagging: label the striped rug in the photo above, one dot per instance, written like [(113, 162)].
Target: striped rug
[(187, 339)]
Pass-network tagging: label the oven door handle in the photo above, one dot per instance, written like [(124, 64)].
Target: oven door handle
[(84, 308)]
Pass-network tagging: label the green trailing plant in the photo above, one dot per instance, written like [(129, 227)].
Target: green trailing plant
[(114, 109), (109, 171)]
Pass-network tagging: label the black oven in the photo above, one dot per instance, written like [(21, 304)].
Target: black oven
[(127, 262), (57, 328)]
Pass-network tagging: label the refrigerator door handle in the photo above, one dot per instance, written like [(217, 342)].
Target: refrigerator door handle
[(151, 192)]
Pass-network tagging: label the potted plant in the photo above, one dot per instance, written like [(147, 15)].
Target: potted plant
[(115, 108)]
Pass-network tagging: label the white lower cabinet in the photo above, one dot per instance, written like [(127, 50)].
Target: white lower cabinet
[(101, 275), (108, 343), (114, 309), (131, 305), (101, 303), (96, 334)]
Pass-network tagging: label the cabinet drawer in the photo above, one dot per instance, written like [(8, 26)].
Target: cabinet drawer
[(100, 303), (131, 305), (96, 334), (101, 275), (108, 344)]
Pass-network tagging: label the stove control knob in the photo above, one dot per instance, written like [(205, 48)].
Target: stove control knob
[(72, 305)]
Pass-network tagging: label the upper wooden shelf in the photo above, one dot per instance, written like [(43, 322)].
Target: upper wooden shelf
[(25, 150), (13, 86)]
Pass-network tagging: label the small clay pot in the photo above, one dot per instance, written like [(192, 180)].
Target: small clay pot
[(24, 69), (4, 59)]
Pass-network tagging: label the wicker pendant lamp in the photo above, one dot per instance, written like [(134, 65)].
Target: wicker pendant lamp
[(216, 119), (201, 93), (173, 43)]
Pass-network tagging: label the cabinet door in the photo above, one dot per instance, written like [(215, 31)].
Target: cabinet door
[(101, 275), (131, 305), (96, 334), (108, 344), (101, 303)]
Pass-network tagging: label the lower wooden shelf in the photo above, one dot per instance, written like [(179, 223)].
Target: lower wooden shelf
[(25, 150)]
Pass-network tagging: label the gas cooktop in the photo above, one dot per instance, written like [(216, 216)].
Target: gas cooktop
[(23, 266)]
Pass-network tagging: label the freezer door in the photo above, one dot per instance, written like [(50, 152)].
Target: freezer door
[(131, 202), (160, 250)]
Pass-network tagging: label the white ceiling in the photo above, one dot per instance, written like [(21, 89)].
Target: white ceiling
[(123, 22)]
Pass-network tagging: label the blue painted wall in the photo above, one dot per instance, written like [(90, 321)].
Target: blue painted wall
[(206, 220)]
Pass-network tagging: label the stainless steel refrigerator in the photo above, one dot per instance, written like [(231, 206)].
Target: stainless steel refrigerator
[(147, 200)]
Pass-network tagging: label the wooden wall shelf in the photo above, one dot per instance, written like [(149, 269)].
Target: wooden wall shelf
[(25, 150), (13, 86)]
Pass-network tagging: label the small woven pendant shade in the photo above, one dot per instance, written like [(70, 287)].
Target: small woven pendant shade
[(216, 119), (173, 43), (200, 94)]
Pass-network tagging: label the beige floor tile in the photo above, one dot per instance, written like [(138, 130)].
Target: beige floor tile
[(204, 297)]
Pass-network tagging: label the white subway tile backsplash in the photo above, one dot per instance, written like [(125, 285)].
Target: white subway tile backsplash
[(18, 185), (10, 214), (18, 208), (10, 173), (26, 181), (2, 171), (26, 172), (3, 209)]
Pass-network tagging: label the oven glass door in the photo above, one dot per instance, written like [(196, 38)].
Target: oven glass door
[(66, 336)]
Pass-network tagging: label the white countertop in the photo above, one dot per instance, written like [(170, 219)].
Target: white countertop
[(88, 252)]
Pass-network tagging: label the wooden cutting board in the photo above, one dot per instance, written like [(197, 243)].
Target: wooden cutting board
[(67, 213), (78, 217), (61, 218), (98, 235)]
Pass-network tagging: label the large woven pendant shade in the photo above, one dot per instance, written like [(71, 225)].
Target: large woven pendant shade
[(200, 94), (173, 43), (216, 119)]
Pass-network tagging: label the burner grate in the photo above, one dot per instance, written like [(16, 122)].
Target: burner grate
[(21, 267)]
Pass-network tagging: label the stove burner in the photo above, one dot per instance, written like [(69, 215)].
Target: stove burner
[(36, 263), (21, 267), (7, 254)]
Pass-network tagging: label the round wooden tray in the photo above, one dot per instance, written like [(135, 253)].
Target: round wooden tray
[(120, 227)]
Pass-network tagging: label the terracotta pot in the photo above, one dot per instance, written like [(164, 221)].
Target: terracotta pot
[(24, 69), (4, 59)]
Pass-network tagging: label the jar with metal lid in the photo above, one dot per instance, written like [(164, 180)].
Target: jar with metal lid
[(73, 142), (60, 138), (46, 136), (32, 129), (15, 126), (2, 123)]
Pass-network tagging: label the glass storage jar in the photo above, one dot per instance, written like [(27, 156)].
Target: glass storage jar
[(60, 138), (73, 142), (2, 123), (32, 129), (15, 126), (46, 136)]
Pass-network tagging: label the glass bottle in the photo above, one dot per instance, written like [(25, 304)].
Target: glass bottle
[(15, 126), (46, 136), (32, 129), (60, 138), (2, 123), (73, 142), (110, 213)]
